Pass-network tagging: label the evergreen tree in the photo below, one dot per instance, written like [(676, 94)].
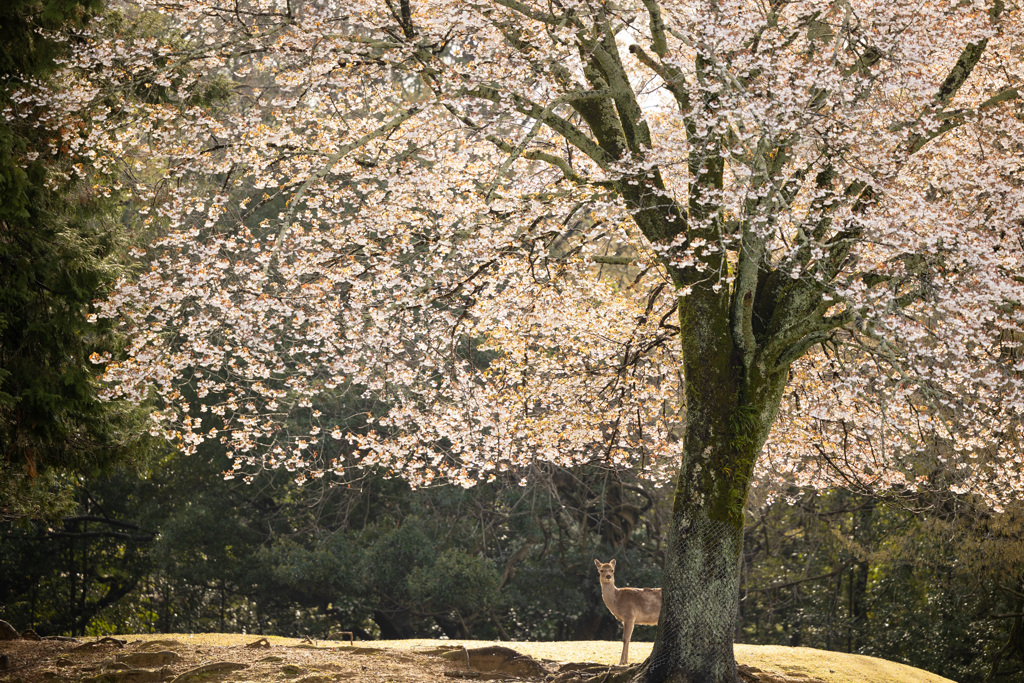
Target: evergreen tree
[(57, 254)]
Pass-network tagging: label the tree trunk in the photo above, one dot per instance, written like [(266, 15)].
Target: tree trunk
[(733, 383), (699, 605), (730, 408), (859, 579)]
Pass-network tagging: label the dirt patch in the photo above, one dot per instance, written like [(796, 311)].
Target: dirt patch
[(55, 662)]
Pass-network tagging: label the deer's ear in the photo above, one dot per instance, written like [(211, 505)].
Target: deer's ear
[(612, 563), (598, 563)]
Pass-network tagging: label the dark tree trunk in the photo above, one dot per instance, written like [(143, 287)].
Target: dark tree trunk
[(730, 409), (859, 579), (450, 628), (700, 604), (738, 335), (393, 625)]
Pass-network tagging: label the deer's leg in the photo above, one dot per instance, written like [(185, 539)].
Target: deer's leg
[(627, 633)]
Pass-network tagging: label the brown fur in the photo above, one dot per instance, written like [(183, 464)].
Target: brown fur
[(631, 606)]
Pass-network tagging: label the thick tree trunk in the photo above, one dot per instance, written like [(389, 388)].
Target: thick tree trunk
[(733, 387), (730, 409), (699, 605), (859, 579), (701, 580)]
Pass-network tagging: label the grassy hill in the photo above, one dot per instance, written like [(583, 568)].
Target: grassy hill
[(795, 663)]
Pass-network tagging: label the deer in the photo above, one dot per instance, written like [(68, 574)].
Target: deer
[(631, 606)]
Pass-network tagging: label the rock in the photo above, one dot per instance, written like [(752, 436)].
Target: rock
[(261, 643), (94, 644), (29, 634), (750, 674), (149, 660), (128, 676), (497, 659), (8, 632), (151, 645), (215, 667)]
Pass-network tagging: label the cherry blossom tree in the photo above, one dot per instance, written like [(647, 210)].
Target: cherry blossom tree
[(410, 203)]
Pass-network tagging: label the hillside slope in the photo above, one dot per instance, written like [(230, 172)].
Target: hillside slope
[(230, 658)]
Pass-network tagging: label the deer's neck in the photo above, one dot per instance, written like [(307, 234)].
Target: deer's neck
[(610, 594)]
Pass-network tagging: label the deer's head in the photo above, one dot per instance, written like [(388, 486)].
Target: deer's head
[(606, 570)]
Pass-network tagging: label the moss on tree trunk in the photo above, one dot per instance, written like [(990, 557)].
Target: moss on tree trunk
[(730, 409)]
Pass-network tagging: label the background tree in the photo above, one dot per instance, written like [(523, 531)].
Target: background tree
[(181, 551), (938, 586), (59, 249), (792, 177)]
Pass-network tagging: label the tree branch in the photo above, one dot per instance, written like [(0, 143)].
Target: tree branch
[(560, 125), (383, 129), (955, 119), (659, 44), (671, 76)]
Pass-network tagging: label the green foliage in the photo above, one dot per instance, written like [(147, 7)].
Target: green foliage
[(497, 561), (47, 495), (215, 91), (391, 557), (840, 572), (59, 577), (456, 581), (24, 51), (187, 551), (59, 252), (328, 568)]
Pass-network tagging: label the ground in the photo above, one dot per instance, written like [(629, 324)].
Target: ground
[(233, 658)]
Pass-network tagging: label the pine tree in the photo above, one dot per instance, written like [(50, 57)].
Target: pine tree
[(57, 250)]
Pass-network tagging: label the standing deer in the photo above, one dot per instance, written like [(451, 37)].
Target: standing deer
[(629, 605)]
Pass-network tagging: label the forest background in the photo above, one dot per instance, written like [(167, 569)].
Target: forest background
[(107, 529)]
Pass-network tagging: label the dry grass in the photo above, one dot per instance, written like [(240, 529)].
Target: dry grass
[(833, 667), (291, 660)]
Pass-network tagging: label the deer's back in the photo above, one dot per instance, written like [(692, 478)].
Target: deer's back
[(644, 603)]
